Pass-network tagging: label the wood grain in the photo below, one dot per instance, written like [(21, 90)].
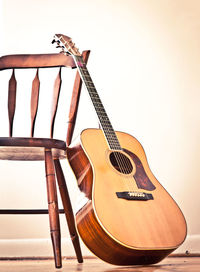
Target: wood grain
[(30, 149), (106, 248), (35, 61), (142, 180), (82, 169), (56, 93), (11, 101), (53, 207), (68, 209), (140, 226), (34, 101)]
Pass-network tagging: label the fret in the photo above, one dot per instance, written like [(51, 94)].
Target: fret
[(87, 77), (104, 119), (97, 105), (85, 72), (94, 90), (102, 113), (105, 123), (96, 99), (89, 83), (109, 132), (100, 107), (93, 94)]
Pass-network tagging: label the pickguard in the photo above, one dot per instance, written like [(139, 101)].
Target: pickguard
[(140, 176)]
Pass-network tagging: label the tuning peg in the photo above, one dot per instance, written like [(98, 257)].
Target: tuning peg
[(53, 41)]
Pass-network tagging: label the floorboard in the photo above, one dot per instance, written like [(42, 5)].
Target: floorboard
[(170, 264)]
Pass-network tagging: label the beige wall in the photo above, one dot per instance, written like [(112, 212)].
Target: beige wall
[(149, 84)]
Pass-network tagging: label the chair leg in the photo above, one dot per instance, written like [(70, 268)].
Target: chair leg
[(53, 208), (68, 210)]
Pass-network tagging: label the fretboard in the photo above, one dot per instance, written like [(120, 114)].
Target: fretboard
[(104, 121)]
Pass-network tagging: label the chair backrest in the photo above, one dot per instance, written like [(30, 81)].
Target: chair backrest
[(37, 62)]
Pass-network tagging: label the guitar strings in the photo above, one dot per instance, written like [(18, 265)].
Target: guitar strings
[(115, 146), (121, 163), (119, 159), (122, 166)]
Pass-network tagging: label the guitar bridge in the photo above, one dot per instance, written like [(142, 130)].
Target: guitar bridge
[(134, 195)]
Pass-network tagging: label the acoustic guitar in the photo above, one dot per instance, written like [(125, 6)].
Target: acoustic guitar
[(129, 218)]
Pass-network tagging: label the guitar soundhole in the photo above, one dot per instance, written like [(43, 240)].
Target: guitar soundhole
[(121, 162)]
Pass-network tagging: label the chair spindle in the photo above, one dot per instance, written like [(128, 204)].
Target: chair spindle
[(12, 87), (56, 93), (34, 100)]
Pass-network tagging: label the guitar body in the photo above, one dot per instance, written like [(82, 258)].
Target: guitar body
[(129, 218)]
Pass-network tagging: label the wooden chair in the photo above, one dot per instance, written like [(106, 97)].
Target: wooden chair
[(48, 149)]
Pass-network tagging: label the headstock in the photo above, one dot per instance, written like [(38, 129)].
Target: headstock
[(66, 45)]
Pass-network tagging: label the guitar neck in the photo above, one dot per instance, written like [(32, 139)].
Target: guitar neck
[(104, 121)]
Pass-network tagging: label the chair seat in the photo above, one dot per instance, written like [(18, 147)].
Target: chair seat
[(30, 149)]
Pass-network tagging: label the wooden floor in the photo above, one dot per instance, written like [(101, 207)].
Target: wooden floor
[(182, 264)]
